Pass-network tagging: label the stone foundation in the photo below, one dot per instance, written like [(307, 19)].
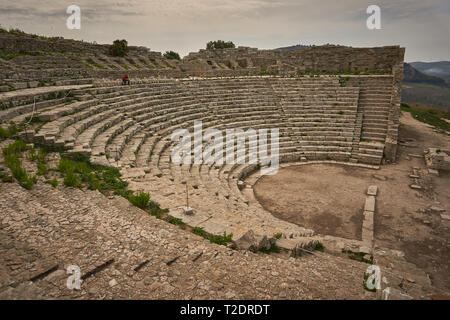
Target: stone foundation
[(438, 159)]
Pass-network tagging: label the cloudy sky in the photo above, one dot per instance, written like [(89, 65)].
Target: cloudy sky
[(422, 26)]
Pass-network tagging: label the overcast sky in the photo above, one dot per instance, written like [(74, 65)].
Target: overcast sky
[(422, 26)]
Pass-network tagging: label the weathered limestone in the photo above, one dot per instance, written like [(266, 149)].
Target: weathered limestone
[(316, 58), (438, 159), (368, 221), (370, 204), (394, 294), (136, 256), (251, 241), (372, 191)]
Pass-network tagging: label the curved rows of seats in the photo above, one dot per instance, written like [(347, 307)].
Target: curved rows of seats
[(131, 127)]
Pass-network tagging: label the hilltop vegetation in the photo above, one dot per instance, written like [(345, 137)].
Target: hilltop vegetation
[(119, 48), (172, 55), (219, 44)]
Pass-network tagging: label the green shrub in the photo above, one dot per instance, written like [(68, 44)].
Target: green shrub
[(96, 177), (141, 200), (11, 155), (175, 221), (72, 180), (4, 134), (155, 209), (67, 165), (172, 55), (22, 177), (53, 182), (123, 193), (200, 232), (219, 44), (16, 147), (40, 158), (41, 169), (319, 246), (119, 48), (358, 256), (32, 155), (220, 240)]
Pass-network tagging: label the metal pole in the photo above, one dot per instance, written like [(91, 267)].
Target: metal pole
[(187, 196)]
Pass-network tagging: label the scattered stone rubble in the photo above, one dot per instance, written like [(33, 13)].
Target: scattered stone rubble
[(438, 159)]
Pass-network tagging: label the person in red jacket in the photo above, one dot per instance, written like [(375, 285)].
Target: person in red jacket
[(125, 80)]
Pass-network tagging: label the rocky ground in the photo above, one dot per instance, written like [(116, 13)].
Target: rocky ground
[(125, 253)]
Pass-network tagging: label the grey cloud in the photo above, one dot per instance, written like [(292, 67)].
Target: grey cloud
[(186, 25)]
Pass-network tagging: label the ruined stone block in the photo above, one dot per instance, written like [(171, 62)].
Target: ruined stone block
[(370, 204), (372, 191)]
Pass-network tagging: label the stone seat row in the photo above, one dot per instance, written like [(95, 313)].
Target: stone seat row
[(109, 129)]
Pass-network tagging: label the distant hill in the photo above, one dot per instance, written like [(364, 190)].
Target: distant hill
[(298, 46), (301, 46), (424, 88), (411, 74), (427, 94), (439, 69)]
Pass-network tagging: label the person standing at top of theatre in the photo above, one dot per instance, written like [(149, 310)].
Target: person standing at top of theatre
[(125, 80)]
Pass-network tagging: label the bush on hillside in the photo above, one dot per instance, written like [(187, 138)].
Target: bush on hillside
[(219, 44), (172, 55), (119, 48), (141, 200)]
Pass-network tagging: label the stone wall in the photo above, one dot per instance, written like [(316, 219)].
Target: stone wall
[(27, 43), (312, 59), (394, 112)]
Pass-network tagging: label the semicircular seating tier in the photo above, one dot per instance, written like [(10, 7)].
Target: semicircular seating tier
[(321, 118)]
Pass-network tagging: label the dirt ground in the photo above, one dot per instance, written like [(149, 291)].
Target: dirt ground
[(329, 199)]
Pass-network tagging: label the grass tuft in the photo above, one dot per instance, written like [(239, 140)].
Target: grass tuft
[(141, 200), (220, 240), (358, 256), (319, 246), (53, 182), (11, 155)]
